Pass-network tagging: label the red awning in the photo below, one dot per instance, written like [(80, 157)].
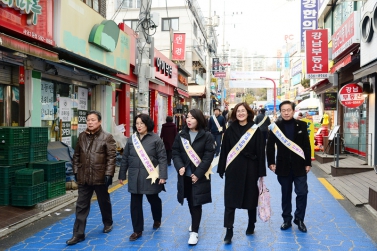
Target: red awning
[(183, 93), (318, 84), (341, 63)]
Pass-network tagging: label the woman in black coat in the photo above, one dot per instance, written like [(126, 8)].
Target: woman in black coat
[(192, 181), (242, 174)]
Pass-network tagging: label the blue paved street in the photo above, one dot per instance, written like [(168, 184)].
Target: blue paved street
[(330, 227)]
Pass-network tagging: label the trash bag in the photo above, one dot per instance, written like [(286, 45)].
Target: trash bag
[(118, 134)]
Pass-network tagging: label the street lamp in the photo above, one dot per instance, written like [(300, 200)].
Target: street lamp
[(274, 91)]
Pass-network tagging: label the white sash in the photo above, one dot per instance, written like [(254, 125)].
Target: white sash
[(287, 142), (261, 123), (217, 123), (194, 156), (240, 145), (152, 171)]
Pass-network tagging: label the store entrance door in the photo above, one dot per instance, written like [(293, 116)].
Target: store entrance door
[(9, 105)]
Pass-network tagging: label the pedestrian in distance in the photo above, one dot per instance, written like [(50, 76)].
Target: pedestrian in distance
[(217, 127), (225, 112), (193, 150), (242, 161), (262, 117), (292, 163), (146, 175), (299, 116), (94, 167), (168, 133)]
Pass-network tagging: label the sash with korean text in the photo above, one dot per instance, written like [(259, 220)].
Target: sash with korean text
[(287, 142), (152, 171), (217, 123), (261, 123), (195, 159), (240, 145)]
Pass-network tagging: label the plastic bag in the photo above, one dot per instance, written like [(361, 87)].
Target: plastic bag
[(264, 206), (118, 135)]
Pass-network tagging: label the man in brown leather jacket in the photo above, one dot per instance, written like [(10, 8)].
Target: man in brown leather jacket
[(94, 167)]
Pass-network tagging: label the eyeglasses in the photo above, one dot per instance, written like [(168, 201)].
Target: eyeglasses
[(288, 110)]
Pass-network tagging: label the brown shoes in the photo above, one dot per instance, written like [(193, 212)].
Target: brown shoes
[(75, 239), (107, 229), (135, 236), (156, 224)]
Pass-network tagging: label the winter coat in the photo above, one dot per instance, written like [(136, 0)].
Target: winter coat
[(213, 127), (242, 174), (168, 133), (137, 174), (285, 158), (94, 157), (203, 145), (266, 123)]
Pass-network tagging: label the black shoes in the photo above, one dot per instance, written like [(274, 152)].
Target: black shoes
[(250, 229), (156, 224), (107, 229), (228, 236), (286, 225), (301, 225), (74, 240), (135, 236)]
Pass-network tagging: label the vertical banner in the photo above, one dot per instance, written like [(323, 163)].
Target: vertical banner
[(65, 109), (215, 65), (66, 133), (81, 123), (179, 46), (82, 96), (309, 17), (47, 100), (317, 54), (310, 126)]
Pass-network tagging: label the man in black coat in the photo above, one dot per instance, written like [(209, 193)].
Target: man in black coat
[(168, 133), (217, 131), (289, 166)]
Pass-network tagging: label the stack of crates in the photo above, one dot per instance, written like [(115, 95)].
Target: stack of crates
[(38, 143), (30, 187), (54, 174), (14, 154)]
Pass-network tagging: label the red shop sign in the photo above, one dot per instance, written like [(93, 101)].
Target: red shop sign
[(351, 95)]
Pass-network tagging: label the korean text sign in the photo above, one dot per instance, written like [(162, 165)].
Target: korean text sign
[(179, 45), (317, 54), (309, 17), (351, 95)]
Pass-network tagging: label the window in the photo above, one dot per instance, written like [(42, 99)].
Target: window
[(195, 29), (94, 4), (131, 23), (170, 22), (129, 4)]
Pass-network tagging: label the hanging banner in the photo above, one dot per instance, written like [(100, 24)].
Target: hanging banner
[(82, 94), (309, 17), (65, 109), (81, 124), (351, 95), (179, 46), (66, 133), (317, 54), (47, 100)]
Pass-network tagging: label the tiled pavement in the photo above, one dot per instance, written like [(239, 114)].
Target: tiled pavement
[(330, 227)]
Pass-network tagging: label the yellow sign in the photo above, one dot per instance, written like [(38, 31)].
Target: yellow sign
[(310, 127)]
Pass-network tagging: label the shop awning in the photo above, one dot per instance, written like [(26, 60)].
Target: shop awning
[(27, 48), (365, 71), (341, 63), (196, 90), (183, 93)]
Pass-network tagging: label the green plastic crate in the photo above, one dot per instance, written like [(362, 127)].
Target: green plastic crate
[(14, 155), (38, 152), (14, 136), (53, 170), (38, 135), (55, 189), (27, 196), (4, 195), (29, 177), (7, 174)]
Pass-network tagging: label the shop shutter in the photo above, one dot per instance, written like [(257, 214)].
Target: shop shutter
[(5, 74), (15, 75)]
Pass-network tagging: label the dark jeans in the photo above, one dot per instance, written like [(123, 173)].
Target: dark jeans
[(137, 210), (169, 155), (85, 193), (196, 212), (229, 216), (301, 190), (217, 139)]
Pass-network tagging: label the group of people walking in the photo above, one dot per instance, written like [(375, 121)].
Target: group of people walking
[(242, 163)]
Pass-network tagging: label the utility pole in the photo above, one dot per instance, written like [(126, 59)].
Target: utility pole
[(144, 62), (208, 75)]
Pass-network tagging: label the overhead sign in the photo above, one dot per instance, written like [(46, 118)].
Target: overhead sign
[(31, 8), (346, 36), (351, 95), (163, 67), (215, 65), (309, 17), (220, 74), (316, 51), (179, 46)]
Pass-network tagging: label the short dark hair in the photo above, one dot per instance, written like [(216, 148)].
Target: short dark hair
[(300, 114), (250, 113), (198, 115), (262, 110), (146, 120), (96, 113), (169, 119), (287, 102), (217, 109)]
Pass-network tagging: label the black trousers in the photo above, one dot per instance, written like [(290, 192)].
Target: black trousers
[(85, 193), (195, 211), (229, 216), (136, 208), (301, 190), (169, 156)]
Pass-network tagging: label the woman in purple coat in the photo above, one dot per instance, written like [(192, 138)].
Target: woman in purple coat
[(168, 133)]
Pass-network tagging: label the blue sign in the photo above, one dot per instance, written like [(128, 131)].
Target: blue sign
[(286, 60), (296, 79), (309, 17), (296, 69)]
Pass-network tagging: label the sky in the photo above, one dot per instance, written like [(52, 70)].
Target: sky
[(259, 25)]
